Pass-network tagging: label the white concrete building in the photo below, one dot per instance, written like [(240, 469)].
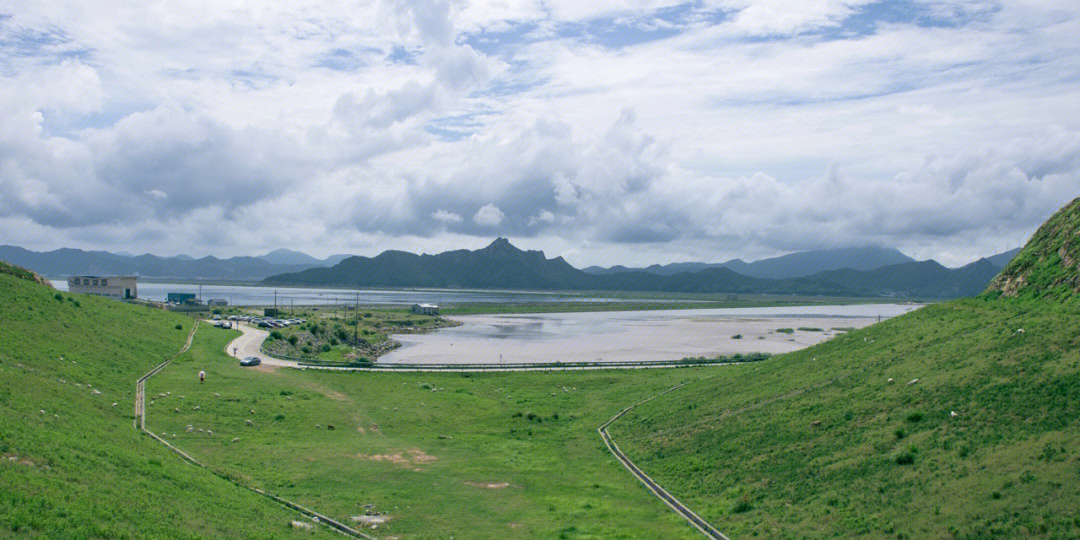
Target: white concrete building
[(118, 287), (425, 309)]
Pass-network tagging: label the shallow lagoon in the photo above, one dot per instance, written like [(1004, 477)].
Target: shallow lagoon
[(632, 335)]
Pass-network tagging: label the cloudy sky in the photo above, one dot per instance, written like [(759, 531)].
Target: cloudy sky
[(632, 132)]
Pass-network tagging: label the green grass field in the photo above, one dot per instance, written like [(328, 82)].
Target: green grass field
[(71, 464), (819, 443), (491, 455)]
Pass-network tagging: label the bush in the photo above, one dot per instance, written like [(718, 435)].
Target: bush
[(742, 505), (737, 336), (325, 347), (59, 297), (276, 334), (279, 417), (217, 311), (900, 433), (907, 458), (915, 417), (292, 339), (179, 326), (786, 330)]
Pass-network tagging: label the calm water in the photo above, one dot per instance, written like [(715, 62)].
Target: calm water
[(633, 336), (243, 295)]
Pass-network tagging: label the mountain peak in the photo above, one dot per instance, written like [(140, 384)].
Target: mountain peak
[(1049, 264), (500, 243)]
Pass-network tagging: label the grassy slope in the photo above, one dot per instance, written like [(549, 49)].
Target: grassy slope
[(1048, 267), (562, 482), (742, 448), (80, 468)]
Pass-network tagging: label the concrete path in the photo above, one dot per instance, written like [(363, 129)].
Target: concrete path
[(689, 515), (250, 344)]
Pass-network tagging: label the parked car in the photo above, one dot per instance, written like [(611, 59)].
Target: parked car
[(250, 361)]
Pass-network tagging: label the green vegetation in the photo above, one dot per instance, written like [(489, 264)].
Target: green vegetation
[(71, 464), (334, 336), (1049, 265), (809, 329), (786, 330), (491, 455), (851, 454)]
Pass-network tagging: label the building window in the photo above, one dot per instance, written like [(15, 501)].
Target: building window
[(95, 283), (104, 282)]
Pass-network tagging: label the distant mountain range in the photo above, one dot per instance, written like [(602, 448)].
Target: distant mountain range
[(68, 262), (803, 263), (866, 271), (501, 265)]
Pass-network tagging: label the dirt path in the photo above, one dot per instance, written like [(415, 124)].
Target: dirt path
[(697, 521)]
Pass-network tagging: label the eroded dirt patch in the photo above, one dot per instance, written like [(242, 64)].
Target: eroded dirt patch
[(494, 485), (409, 459)]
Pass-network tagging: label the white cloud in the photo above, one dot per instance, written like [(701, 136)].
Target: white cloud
[(446, 217), (489, 215), (771, 127)]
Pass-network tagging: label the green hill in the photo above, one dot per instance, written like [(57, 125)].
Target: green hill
[(1047, 267), (71, 463), (958, 420)]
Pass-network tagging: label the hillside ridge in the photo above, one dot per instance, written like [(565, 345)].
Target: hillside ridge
[(1049, 264)]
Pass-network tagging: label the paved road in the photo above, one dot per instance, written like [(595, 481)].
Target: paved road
[(250, 344)]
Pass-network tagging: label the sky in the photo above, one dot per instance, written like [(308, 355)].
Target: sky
[(628, 132)]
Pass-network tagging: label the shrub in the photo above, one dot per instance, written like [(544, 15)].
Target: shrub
[(179, 326), (907, 458), (786, 330), (292, 339), (59, 297), (915, 417), (900, 433), (737, 336), (279, 417), (742, 505), (276, 334), (325, 347)]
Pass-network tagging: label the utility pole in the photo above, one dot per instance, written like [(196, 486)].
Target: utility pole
[(275, 299), (356, 326)]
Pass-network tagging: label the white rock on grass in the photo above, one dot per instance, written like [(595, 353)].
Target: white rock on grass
[(300, 525), (913, 381)]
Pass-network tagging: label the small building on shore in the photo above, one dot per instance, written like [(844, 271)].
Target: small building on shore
[(425, 309), (180, 298), (217, 302), (117, 287)]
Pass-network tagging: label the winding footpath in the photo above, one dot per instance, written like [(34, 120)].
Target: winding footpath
[(689, 515), (140, 424)]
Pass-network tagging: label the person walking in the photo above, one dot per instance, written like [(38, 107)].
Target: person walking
[(202, 376)]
